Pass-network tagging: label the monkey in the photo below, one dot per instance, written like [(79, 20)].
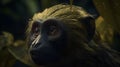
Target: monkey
[(61, 36)]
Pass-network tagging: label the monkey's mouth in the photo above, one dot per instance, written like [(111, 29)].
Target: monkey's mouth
[(41, 58)]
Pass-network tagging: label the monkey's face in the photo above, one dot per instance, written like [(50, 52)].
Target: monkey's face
[(47, 41), (53, 40)]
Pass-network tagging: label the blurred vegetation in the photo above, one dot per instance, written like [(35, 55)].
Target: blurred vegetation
[(7, 41), (109, 22), (15, 15)]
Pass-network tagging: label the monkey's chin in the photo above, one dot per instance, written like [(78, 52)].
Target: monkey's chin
[(43, 60), (37, 61)]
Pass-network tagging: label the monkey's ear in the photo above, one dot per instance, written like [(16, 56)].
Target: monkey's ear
[(89, 23)]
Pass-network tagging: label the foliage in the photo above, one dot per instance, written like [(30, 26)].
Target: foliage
[(109, 27), (10, 46)]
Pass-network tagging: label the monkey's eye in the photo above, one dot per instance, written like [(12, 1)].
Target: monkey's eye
[(53, 30), (35, 29)]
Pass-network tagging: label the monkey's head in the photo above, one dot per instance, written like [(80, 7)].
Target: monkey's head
[(57, 33)]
